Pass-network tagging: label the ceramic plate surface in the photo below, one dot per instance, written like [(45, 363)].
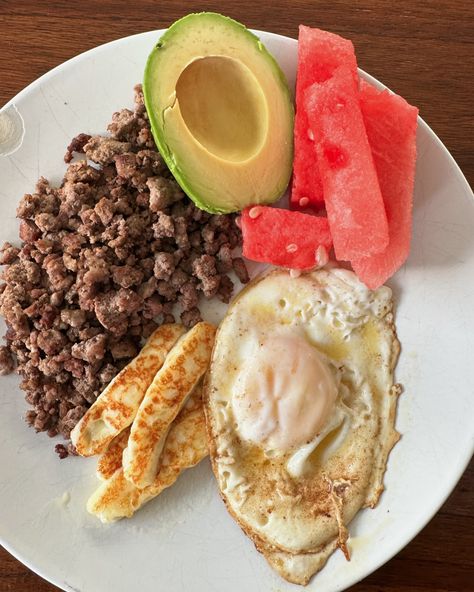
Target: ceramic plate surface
[(184, 541)]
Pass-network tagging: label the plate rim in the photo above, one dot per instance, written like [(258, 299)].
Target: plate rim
[(31, 87)]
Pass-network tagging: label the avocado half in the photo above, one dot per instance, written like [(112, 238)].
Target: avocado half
[(221, 113)]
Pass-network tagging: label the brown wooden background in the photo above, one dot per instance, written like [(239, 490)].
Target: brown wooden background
[(422, 50)]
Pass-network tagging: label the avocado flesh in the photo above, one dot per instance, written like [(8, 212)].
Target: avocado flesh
[(220, 112)]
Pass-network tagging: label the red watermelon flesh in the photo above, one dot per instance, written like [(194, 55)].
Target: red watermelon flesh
[(352, 195), (284, 238), (319, 54), (391, 128)]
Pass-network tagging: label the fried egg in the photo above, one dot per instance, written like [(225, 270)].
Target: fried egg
[(300, 403)]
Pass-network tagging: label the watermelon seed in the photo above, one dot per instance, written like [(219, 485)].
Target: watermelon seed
[(255, 212), (321, 256), (338, 105), (291, 248), (238, 222), (295, 273), (304, 201), (310, 135)]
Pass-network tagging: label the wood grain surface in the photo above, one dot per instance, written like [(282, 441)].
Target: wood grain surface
[(422, 50)]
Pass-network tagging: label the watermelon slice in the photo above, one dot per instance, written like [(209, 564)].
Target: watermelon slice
[(391, 128), (319, 54), (284, 238), (354, 203)]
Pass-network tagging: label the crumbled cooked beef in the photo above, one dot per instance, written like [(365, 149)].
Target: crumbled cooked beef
[(73, 317), (105, 257), (148, 288), (205, 269), (107, 373), (166, 290), (178, 279), (139, 100), (123, 122), (7, 364), (126, 165), (189, 297), (224, 259), (163, 193), (51, 341), (108, 314), (29, 232), (151, 163), (91, 350), (104, 209), (79, 174), (58, 276), (240, 270), (152, 307), (189, 318), (127, 275), (164, 226), (164, 266), (60, 449), (103, 150), (77, 145), (226, 287), (123, 349), (8, 254)]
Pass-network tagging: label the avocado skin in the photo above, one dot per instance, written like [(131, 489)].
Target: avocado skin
[(157, 128)]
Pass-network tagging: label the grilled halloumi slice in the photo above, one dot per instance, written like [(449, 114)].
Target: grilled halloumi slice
[(118, 404), (111, 460), (183, 368), (185, 447)]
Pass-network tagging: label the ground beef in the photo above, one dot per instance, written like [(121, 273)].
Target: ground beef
[(163, 193), (240, 269), (164, 266), (7, 363), (8, 254), (104, 260), (77, 145), (102, 150), (123, 349), (92, 350)]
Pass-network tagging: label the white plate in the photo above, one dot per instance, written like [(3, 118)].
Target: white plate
[(185, 541)]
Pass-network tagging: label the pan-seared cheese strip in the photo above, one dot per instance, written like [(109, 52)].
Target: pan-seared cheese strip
[(118, 404), (111, 460), (183, 368), (185, 446), (193, 402)]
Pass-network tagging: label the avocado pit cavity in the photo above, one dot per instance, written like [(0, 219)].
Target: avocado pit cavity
[(223, 107)]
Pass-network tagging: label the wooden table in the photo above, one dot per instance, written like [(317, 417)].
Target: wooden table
[(424, 51)]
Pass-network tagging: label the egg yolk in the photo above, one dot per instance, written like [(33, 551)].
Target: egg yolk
[(284, 394)]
